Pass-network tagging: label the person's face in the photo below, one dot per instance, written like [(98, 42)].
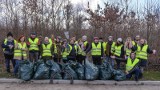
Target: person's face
[(46, 40), (132, 55), (10, 37), (33, 36), (128, 40), (72, 41), (22, 39), (96, 40), (100, 40), (74, 38), (142, 41), (118, 42), (110, 39), (80, 42), (58, 40)]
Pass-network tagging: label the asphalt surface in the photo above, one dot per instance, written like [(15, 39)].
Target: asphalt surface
[(24, 86)]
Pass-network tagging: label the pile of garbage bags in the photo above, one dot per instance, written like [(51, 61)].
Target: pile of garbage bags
[(71, 70)]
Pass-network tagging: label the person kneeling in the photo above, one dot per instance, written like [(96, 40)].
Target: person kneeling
[(132, 67)]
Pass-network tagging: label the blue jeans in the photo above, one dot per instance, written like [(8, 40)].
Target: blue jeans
[(17, 66), (110, 60), (137, 73)]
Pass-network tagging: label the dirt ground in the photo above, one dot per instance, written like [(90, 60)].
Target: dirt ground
[(13, 86)]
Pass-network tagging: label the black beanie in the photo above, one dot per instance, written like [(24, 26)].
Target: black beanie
[(9, 34)]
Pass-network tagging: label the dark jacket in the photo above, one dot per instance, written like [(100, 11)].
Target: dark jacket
[(73, 52), (7, 50)]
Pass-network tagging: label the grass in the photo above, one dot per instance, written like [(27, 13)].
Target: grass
[(151, 75)]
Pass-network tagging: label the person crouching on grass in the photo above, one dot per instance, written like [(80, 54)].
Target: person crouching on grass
[(132, 67)]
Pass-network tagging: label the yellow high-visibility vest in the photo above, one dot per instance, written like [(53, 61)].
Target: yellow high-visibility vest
[(18, 52), (67, 52), (96, 50), (113, 47), (141, 53), (128, 51), (46, 50), (118, 50), (33, 44), (130, 65), (80, 51)]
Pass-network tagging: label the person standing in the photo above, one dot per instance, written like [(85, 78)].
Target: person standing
[(20, 53), (58, 49), (119, 52), (110, 47), (142, 51), (46, 50), (128, 46), (70, 51), (96, 49), (81, 53), (33, 44), (8, 50)]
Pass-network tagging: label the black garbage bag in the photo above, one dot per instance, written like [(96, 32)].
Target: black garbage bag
[(54, 69), (67, 68), (119, 75), (41, 70), (25, 71), (105, 71), (80, 71), (91, 71)]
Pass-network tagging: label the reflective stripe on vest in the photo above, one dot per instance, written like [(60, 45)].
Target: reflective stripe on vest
[(96, 50), (128, 51), (55, 48), (104, 46), (18, 52), (133, 43), (85, 43), (118, 50), (33, 44), (142, 52), (50, 41), (81, 52), (130, 64), (68, 50), (46, 50), (113, 47)]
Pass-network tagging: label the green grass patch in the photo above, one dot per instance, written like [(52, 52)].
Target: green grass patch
[(151, 75)]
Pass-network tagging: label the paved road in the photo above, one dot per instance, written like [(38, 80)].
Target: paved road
[(14, 86)]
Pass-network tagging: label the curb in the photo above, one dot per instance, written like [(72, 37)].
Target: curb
[(81, 82)]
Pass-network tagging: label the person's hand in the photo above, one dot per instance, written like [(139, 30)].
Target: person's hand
[(126, 72), (23, 49), (154, 51), (28, 43), (40, 57), (130, 45), (113, 57), (10, 46), (52, 56), (125, 57)]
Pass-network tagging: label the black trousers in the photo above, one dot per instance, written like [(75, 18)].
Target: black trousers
[(97, 60), (80, 58)]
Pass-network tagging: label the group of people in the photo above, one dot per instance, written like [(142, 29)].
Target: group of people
[(133, 53)]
